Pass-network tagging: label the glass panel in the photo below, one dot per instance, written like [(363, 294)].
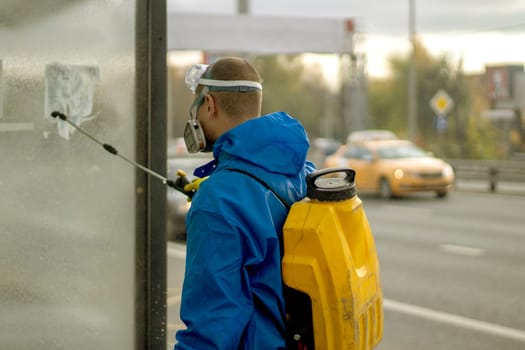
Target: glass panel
[(67, 207)]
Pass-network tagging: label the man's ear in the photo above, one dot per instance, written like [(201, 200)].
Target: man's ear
[(211, 104)]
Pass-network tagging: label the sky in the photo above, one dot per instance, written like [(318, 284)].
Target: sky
[(478, 32)]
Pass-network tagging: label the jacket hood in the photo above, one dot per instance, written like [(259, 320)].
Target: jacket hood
[(275, 142)]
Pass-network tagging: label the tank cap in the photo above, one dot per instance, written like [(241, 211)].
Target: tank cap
[(331, 184)]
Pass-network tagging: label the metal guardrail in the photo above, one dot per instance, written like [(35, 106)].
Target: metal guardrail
[(492, 172)]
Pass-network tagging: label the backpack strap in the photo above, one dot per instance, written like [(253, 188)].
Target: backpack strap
[(281, 199), (257, 302)]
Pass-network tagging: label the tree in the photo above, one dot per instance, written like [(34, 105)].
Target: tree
[(290, 87), (388, 104)]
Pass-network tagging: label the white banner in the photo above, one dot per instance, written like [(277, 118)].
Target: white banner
[(258, 34)]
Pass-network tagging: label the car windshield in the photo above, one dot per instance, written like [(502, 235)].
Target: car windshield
[(401, 151)]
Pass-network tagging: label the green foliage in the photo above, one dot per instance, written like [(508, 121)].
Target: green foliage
[(384, 112), (480, 136), (290, 87), (433, 74), (465, 136)]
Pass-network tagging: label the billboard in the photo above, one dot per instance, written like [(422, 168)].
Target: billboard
[(500, 81)]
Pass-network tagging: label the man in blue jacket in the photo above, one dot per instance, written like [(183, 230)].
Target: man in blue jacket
[(232, 296)]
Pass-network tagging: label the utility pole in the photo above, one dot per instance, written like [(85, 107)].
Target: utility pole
[(412, 78), (242, 7), (353, 95)]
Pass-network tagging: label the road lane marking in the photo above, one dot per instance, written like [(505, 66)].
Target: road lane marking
[(175, 326), (461, 250), (174, 296), (176, 251), (174, 300), (455, 320)]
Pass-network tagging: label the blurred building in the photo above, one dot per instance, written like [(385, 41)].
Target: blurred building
[(504, 87)]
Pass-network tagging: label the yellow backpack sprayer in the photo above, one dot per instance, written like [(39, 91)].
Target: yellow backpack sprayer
[(331, 264)]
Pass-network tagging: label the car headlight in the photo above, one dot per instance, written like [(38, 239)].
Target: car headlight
[(398, 174), (448, 171)]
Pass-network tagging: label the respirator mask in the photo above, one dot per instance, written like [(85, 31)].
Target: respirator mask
[(198, 75)]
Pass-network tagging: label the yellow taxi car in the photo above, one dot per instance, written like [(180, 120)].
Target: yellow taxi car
[(393, 168)]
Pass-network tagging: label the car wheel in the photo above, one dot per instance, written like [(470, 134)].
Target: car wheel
[(441, 194), (385, 191)]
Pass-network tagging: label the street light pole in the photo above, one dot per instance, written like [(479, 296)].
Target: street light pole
[(412, 78), (242, 7)]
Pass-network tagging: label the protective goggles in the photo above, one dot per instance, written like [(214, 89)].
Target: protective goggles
[(193, 134)]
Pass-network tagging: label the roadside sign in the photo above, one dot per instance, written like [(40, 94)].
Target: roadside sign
[(441, 103), (441, 124)]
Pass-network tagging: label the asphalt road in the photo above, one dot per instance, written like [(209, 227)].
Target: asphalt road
[(451, 269)]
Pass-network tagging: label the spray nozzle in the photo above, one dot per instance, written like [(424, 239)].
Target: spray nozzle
[(56, 114)]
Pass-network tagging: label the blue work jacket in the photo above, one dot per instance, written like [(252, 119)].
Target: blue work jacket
[(232, 296)]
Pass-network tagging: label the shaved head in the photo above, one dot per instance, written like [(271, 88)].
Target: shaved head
[(238, 105)]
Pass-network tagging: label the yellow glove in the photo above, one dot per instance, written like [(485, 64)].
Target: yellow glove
[(183, 184), (194, 185)]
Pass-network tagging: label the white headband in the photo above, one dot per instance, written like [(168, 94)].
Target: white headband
[(194, 78), (230, 83)]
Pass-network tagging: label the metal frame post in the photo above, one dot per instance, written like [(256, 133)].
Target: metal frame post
[(151, 255)]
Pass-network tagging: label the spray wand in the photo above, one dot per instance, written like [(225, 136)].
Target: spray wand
[(177, 184)]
